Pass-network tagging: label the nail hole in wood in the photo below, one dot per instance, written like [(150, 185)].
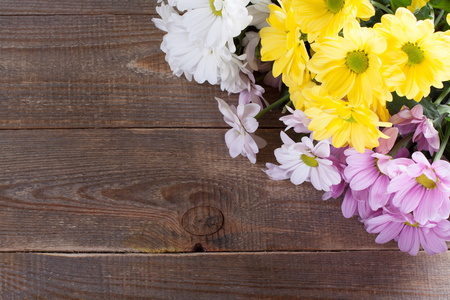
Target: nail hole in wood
[(198, 248)]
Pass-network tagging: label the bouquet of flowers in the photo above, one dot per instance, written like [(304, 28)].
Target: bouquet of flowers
[(363, 85)]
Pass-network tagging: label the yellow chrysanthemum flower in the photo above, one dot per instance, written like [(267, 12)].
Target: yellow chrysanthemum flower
[(417, 4), (282, 42), (350, 65), (320, 18), (422, 55), (295, 90), (344, 123)]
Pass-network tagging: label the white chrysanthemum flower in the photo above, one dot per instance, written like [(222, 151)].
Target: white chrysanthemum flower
[(171, 2), (304, 162), (215, 22), (259, 10), (167, 14), (193, 58), (241, 138), (230, 75)]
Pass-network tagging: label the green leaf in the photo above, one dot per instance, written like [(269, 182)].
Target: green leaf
[(426, 12), (442, 4), (444, 109), (399, 3), (397, 103), (429, 109), (374, 19), (384, 2)]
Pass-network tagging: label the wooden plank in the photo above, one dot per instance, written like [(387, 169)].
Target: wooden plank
[(344, 275), (30, 7), (96, 71), (159, 190)]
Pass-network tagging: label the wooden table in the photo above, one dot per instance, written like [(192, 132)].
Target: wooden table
[(116, 181)]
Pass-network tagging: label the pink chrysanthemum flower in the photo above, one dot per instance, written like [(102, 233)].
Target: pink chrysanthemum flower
[(425, 135), (422, 188), (404, 229), (241, 138), (296, 120), (367, 171), (355, 203), (387, 144), (304, 162)]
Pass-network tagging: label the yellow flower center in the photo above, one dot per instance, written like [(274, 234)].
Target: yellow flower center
[(412, 225), (426, 182), (357, 61), (334, 6), (309, 161), (213, 8), (415, 54)]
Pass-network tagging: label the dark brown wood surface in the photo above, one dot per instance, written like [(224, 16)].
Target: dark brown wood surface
[(113, 171)]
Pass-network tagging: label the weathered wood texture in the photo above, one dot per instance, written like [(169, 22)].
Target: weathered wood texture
[(345, 275), (96, 71), (80, 73), (86, 7), (157, 190)]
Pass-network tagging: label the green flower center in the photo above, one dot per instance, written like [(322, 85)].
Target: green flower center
[(309, 161), (351, 119), (412, 225), (357, 61), (415, 54), (213, 8), (426, 182), (334, 6)]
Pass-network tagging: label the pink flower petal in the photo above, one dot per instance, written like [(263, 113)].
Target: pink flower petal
[(420, 158), (389, 232), (364, 179), (349, 204), (431, 243), (378, 196)]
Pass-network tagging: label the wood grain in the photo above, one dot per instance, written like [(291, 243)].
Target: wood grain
[(97, 71), (130, 190), (342, 275), (42, 7)]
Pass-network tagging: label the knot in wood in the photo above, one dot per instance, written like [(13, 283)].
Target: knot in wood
[(202, 220)]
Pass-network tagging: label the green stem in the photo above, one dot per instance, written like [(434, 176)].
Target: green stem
[(382, 7), (400, 144), (436, 21), (442, 96), (273, 105), (443, 144)]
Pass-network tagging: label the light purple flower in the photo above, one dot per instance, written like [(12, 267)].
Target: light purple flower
[(240, 139), (252, 93), (304, 162), (337, 156), (296, 120), (275, 172), (425, 135), (422, 188), (410, 234), (367, 171)]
